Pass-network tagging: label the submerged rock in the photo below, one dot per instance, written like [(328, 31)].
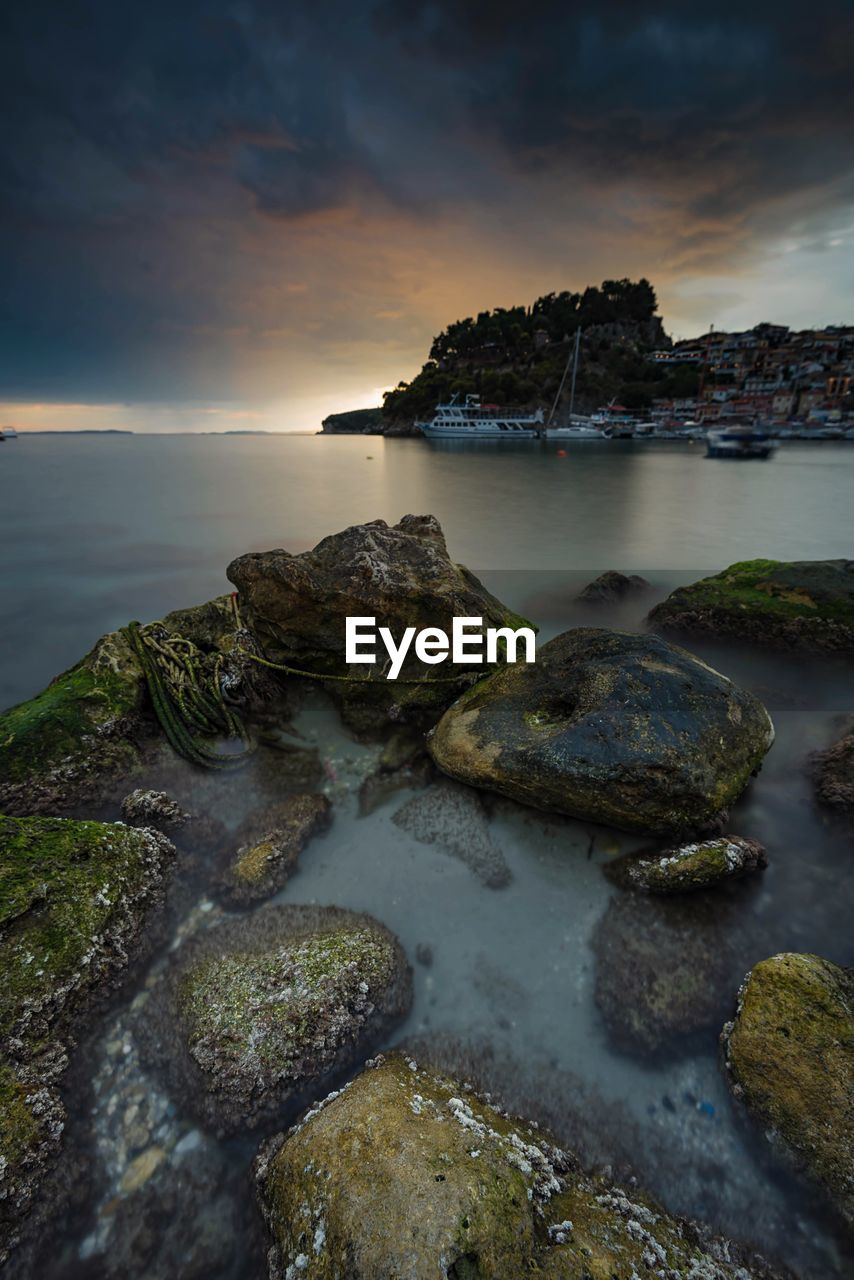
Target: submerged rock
[(270, 1007), (612, 586), (612, 727), (833, 775), (157, 809), (73, 899), (799, 604), (691, 866), (262, 868), (453, 818), (405, 1172), (789, 1056), (666, 969), (402, 575)]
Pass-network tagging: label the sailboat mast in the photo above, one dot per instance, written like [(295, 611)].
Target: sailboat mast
[(573, 356), (574, 371)]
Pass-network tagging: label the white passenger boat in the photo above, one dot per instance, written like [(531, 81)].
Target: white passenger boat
[(472, 420)]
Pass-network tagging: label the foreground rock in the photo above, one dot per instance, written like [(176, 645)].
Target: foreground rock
[(86, 729), (269, 1008), (297, 605), (73, 900), (405, 1173), (612, 586), (789, 1054), (799, 604), (262, 868), (833, 775), (691, 866), (666, 969), (452, 817), (616, 728)]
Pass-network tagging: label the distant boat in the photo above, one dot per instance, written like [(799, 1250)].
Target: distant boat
[(580, 431), (472, 420), (739, 444), (8, 433)]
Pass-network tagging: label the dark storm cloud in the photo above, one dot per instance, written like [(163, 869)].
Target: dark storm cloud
[(138, 144)]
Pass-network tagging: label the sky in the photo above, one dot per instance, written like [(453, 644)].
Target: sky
[(231, 216)]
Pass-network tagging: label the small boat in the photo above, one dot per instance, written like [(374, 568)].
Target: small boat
[(8, 433), (472, 420), (579, 432), (739, 444)]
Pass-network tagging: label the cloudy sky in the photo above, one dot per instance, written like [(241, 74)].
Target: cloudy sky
[(218, 215)]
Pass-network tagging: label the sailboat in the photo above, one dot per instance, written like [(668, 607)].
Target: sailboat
[(578, 428)]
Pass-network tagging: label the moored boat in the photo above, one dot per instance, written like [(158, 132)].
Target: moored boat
[(472, 420), (739, 444)]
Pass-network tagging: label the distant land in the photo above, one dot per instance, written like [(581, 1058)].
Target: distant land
[(78, 431), (518, 356)]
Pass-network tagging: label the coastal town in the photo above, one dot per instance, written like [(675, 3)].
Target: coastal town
[(788, 378)]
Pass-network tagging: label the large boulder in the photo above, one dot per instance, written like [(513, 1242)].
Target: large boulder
[(269, 1009), (73, 900), (86, 729), (799, 604), (616, 728), (789, 1055), (698, 865), (407, 1173), (296, 605)]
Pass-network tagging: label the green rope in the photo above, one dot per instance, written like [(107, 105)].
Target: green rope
[(317, 675), (187, 696)]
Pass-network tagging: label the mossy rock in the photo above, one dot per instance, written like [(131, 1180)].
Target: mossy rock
[(789, 1055), (262, 868), (690, 867), (627, 730), (269, 1009), (61, 748), (72, 900), (405, 1172), (73, 897), (799, 604), (296, 605), (32, 1118)]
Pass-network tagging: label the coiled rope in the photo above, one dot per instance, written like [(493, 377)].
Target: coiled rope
[(186, 691)]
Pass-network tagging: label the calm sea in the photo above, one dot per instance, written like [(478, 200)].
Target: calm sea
[(99, 529)]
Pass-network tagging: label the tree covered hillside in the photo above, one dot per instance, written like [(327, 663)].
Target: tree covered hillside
[(517, 355)]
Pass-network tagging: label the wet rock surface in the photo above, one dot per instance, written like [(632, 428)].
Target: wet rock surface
[(666, 969), (263, 867), (402, 575), (453, 818), (833, 775), (800, 604), (612, 727), (698, 865), (407, 1172), (267, 1010), (612, 586), (789, 1055), (73, 901)]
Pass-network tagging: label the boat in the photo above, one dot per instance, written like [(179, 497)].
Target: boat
[(739, 444), (579, 431), (8, 433), (472, 420)]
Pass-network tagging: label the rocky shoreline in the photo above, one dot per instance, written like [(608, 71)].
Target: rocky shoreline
[(255, 1016)]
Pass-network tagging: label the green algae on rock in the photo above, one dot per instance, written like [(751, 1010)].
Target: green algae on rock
[(799, 604), (269, 1008), (690, 866), (297, 605), (622, 729), (789, 1055), (73, 896), (262, 868), (405, 1172), (86, 729)]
